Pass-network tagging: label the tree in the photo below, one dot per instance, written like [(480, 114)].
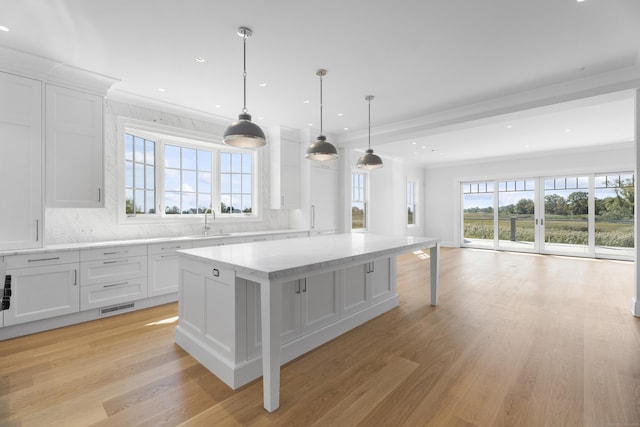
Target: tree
[(525, 207), (578, 203), (555, 204)]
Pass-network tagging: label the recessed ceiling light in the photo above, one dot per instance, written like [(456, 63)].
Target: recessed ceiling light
[(509, 126), (3, 28), (340, 114), (200, 59), (218, 105), (414, 143), (160, 89), (260, 118), (310, 124), (424, 147), (263, 84), (567, 130), (346, 128), (306, 101), (579, 1)]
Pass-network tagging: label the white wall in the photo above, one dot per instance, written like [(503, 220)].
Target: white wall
[(442, 189), (387, 196), (88, 225)]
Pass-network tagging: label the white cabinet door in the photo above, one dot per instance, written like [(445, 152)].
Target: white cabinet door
[(74, 144), (285, 162), (324, 198), (383, 284), (43, 292), (290, 316), (356, 293), (20, 162), (162, 267), (320, 300)]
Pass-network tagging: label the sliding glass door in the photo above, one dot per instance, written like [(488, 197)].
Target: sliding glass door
[(565, 222), (516, 215), (589, 215), (613, 212)]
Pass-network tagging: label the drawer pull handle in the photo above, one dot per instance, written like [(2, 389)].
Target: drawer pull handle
[(215, 272), (170, 247), (116, 261), (169, 256), (44, 259), (116, 252), (115, 284)]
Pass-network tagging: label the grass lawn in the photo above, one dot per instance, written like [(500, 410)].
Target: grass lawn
[(558, 229)]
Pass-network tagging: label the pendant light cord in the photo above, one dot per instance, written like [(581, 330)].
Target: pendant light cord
[(244, 71), (320, 103), (369, 99)]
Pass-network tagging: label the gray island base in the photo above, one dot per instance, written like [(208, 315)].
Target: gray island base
[(246, 309)]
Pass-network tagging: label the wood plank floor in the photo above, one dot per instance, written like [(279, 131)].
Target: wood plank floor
[(518, 340)]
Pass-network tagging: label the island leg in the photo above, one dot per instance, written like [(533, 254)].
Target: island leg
[(434, 259), (271, 313)]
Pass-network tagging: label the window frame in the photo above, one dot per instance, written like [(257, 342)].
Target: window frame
[(162, 135), (366, 218), (416, 201)]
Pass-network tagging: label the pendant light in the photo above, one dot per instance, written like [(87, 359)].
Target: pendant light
[(369, 160), (244, 133), (321, 149)]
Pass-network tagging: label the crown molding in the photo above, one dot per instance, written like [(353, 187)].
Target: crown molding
[(52, 71)]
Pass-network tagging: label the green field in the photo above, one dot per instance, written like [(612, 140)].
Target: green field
[(565, 229)]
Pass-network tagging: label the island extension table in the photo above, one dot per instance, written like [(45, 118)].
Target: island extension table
[(246, 309)]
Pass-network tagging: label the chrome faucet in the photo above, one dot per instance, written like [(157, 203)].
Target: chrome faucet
[(206, 223)]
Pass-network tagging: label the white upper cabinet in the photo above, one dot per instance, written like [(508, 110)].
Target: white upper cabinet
[(285, 158), (74, 148), (324, 198), (20, 162)]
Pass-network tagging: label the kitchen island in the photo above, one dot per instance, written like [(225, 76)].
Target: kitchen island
[(246, 309)]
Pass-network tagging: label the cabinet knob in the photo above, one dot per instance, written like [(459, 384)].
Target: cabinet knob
[(215, 272)]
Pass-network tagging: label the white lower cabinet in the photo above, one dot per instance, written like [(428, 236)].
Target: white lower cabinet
[(162, 265), (307, 304), (112, 276), (381, 275), (220, 314), (43, 286)]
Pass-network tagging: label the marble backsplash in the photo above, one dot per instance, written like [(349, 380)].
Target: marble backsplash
[(101, 224)]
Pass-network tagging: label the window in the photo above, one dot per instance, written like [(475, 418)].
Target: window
[(167, 176), (358, 201), (139, 164), (235, 183), (187, 180), (411, 202)]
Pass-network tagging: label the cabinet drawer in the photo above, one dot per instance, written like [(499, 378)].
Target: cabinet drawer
[(41, 259), (167, 247), (99, 254), (99, 272), (105, 294)]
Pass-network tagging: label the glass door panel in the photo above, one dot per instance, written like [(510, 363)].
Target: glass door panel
[(565, 223), (614, 207), (516, 215), (478, 222)]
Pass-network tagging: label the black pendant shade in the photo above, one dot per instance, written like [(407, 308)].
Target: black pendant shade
[(244, 133)]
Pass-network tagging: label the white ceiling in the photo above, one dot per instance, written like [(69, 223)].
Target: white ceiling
[(488, 64)]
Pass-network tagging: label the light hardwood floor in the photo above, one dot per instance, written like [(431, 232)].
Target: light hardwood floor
[(518, 340)]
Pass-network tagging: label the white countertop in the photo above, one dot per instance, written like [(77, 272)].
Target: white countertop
[(280, 258), (142, 241)]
